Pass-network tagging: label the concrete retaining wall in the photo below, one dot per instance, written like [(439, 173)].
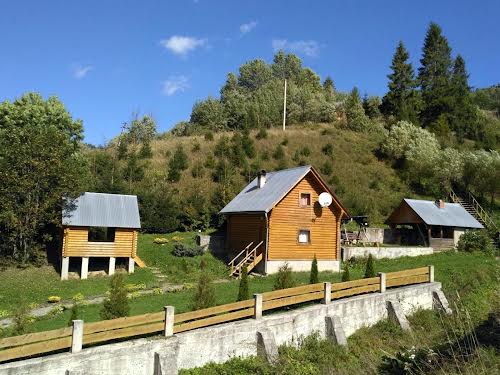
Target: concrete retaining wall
[(349, 252), (196, 348)]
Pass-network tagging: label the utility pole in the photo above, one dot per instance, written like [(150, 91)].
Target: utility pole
[(284, 108)]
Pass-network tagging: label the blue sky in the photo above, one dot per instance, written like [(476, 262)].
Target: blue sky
[(108, 59)]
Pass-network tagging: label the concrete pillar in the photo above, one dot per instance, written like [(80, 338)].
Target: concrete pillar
[(335, 331), (395, 312), (266, 346), (77, 336), (131, 264), (169, 320), (431, 274), (440, 303), (257, 306), (328, 294), (64, 268), (111, 269), (85, 268), (382, 278)]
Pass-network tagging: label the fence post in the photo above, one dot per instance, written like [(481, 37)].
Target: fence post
[(328, 293), (169, 320), (257, 306), (431, 274), (77, 336), (382, 278)]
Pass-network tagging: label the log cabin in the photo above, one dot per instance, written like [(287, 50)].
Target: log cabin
[(436, 224), (278, 218), (100, 225)]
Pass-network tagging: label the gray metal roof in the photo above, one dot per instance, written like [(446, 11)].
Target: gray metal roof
[(278, 184), (103, 210), (452, 215)]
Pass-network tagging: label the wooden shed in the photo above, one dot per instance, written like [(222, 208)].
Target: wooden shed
[(436, 224), (277, 218), (100, 225)]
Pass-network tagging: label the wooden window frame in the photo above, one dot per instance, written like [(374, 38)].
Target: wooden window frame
[(300, 199), (309, 237)]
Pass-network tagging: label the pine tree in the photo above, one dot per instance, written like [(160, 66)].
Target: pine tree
[(346, 275), (356, 117), (434, 76), (370, 268), (313, 278), (205, 293), (329, 89), (177, 164), (401, 99), (116, 305), (243, 292), (284, 278)]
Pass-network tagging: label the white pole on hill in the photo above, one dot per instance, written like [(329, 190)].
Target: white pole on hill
[(284, 108)]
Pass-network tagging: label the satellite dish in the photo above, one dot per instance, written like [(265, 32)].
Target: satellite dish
[(325, 199)]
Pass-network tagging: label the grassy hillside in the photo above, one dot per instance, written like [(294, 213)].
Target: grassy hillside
[(350, 167)]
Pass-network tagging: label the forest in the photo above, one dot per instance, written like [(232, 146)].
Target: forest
[(429, 133)]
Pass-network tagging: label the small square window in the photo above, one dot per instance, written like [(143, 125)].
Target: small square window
[(305, 199), (304, 236)]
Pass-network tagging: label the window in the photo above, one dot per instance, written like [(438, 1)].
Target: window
[(305, 200), (101, 234), (304, 236)]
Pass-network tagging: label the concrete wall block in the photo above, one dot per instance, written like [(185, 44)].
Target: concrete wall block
[(440, 302), (266, 346), (396, 313), (165, 365), (335, 331)]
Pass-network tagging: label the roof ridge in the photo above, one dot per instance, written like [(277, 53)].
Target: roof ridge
[(112, 194), (289, 169)]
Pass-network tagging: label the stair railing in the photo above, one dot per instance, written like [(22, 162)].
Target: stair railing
[(245, 250), (488, 221), (454, 197), (249, 254)]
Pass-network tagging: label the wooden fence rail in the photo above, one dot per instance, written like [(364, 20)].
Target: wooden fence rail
[(169, 323)]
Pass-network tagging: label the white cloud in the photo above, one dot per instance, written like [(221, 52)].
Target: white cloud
[(80, 71), (175, 84), (182, 45), (307, 47), (247, 27)]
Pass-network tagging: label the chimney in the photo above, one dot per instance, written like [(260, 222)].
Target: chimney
[(439, 203), (261, 179)]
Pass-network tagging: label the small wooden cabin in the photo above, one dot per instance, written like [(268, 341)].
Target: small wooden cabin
[(100, 225), (277, 218), (435, 223)]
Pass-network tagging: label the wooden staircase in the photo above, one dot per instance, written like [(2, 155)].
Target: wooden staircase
[(249, 257), (473, 207)]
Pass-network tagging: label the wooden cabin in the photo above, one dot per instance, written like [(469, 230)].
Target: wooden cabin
[(100, 225), (277, 219), (435, 223)]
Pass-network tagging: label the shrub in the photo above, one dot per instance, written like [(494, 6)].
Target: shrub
[(305, 151), (284, 142), (346, 276), (243, 292), (160, 240), (205, 293), (262, 134), (21, 321), (409, 361), (182, 250), (209, 136), (326, 168), (313, 278), (327, 149), (54, 299), (370, 268), (116, 304), (473, 241), (73, 314), (279, 153), (284, 278)]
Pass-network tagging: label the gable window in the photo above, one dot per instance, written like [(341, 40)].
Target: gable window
[(305, 200), (304, 236), (101, 234)]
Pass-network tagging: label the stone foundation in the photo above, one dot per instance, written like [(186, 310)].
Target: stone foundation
[(349, 252), (272, 266)]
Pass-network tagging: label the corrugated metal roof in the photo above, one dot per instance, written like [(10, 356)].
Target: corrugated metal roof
[(452, 215), (103, 210), (278, 184)]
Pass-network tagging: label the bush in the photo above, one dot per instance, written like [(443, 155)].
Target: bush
[(346, 275), (262, 134), (328, 149), (473, 241), (21, 321), (243, 292), (209, 136), (182, 250), (205, 293), (116, 305), (160, 240), (370, 268), (73, 314), (326, 168), (284, 142), (284, 278), (313, 278)]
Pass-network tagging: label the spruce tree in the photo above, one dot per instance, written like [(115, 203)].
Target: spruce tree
[(205, 293), (116, 305), (329, 89), (177, 164), (434, 76), (401, 99), (346, 275), (313, 278), (370, 268), (356, 117), (284, 278), (243, 292)]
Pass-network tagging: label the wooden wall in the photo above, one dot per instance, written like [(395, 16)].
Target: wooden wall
[(287, 218), (404, 214), (75, 244), (243, 229)]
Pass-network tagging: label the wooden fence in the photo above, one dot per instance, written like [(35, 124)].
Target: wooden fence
[(169, 323)]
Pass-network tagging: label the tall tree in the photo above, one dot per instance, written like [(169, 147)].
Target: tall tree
[(434, 76), (329, 88), (401, 99), (356, 117), (40, 162)]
